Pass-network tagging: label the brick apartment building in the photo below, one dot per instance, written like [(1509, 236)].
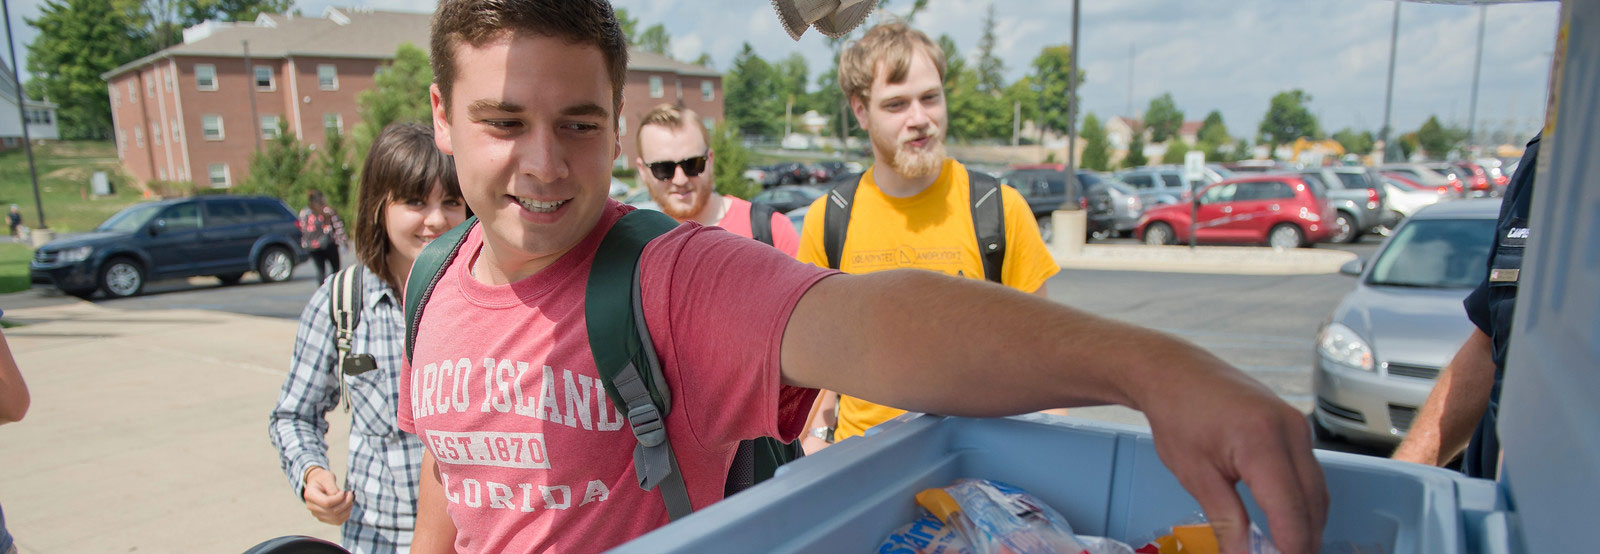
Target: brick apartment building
[(186, 114)]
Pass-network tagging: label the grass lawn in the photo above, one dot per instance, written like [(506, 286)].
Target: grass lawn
[(64, 172), (14, 258)]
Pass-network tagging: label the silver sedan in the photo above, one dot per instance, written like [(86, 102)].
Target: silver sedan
[(1380, 352)]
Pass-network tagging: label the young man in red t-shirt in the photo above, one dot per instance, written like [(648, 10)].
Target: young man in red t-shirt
[(525, 452)]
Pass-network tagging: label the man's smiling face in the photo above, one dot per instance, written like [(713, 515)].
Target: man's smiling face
[(532, 128)]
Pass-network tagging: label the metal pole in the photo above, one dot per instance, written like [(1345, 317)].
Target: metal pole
[(1477, 66), (22, 114), (1391, 149), (250, 73), (1072, 101)]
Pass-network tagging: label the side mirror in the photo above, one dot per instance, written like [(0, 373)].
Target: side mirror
[(1353, 267), (157, 227)]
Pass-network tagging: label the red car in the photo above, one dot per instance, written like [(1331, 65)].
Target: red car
[(1281, 211), (1477, 180)]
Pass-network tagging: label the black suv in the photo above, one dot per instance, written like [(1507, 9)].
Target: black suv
[(1047, 189), (224, 236)]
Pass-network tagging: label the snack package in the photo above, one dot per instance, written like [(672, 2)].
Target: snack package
[(996, 518), (1199, 538), (926, 535)]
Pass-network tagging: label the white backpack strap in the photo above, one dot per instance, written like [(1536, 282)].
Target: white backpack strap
[(345, 300)]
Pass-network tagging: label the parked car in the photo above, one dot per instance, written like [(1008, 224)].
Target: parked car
[(223, 236), (1406, 197), (1457, 175), (788, 198), (1165, 184), (1424, 175), (642, 200), (827, 170), (1281, 211), (619, 189), (1255, 166), (1358, 196), (1477, 180), (1126, 207), (789, 173), (756, 174), (1384, 345), (1047, 188)]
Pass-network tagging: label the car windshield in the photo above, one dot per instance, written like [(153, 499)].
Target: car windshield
[(131, 219), (1435, 253)]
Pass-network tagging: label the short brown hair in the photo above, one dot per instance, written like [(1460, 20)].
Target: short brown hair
[(670, 116), (892, 44), (403, 165), (476, 22)]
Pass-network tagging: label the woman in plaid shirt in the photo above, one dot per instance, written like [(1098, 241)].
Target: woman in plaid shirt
[(409, 196)]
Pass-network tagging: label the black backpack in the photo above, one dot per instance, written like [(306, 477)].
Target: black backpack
[(988, 221), (623, 354)]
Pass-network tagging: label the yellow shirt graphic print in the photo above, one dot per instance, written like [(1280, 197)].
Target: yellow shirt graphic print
[(934, 231)]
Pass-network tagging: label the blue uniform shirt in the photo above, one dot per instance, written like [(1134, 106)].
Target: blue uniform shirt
[(1491, 305)]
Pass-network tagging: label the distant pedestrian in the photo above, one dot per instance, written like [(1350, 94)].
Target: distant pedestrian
[(321, 234), (408, 196), (14, 220)]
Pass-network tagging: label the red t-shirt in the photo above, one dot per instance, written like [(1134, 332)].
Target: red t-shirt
[(737, 221), (533, 455)]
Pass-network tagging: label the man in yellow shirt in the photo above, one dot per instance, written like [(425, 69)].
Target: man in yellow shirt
[(915, 207)]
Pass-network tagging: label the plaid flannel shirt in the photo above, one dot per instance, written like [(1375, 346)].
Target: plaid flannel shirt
[(385, 462)]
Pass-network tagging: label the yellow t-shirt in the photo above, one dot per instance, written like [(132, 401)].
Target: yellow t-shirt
[(932, 230)]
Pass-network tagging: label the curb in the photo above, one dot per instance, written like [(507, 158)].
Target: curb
[(1228, 260)]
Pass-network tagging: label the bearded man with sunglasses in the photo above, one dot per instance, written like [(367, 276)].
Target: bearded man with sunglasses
[(675, 164)]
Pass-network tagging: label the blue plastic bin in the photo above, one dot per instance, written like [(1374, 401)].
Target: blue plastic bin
[(1105, 479)]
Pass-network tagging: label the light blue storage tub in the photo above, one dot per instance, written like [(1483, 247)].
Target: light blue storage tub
[(1105, 479)]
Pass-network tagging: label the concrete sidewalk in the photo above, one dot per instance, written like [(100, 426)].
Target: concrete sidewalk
[(148, 432), (1233, 260)]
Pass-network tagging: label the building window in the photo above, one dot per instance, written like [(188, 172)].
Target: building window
[(163, 173), (219, 175), (114, 96), (170, 80), (264, 78), (122, 142), (150, 87), (709, 122), (138, 137), (327, 77), (205, 76), (133, 92), (333, 123), (378, 71), (211, 127), (176, 134), (269, 127), (656, 89), (155, 133), (708, 92), (37, 116)]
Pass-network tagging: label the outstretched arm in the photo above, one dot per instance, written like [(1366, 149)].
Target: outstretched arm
[(1446, 422), (960, 347), (14, 398)]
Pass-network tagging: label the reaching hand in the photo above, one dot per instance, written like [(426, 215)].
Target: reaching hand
[(323, 497)]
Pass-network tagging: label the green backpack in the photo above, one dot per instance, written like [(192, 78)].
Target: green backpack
[(623, 354)]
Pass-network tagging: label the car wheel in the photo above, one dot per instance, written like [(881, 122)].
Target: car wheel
[(1344, 228), (1102, 234), (1285, 236), (275, 265), (121, 278), (1047, 228), (230, 278), (1158, 234)]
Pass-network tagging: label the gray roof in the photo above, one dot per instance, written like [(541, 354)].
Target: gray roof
[(343, 33)]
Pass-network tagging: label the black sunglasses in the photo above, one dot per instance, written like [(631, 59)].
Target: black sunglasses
[(664, 171)]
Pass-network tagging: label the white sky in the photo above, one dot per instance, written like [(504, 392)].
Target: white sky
[(1232, 56)]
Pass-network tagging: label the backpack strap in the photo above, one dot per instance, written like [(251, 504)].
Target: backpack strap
[(761, 222), (836, 219), (625, 356), (345, 303), (426, 272), (989, 222)]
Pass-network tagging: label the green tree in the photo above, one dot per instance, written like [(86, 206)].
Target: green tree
[(1020, 94), (1053, 95), (232, 10), (1241, 150), (1409, 144), (78, 41), (751, 97), (705, 61), (793, 79), (1176, 150), (334, 175), (280, 170), (1096, 148), (973, 114), (399, 94), (1163, 118), (1355, 142), (1213, 130), (730, 160), (1437, 140), (655, 39), (1288, 119), (1135, 157), (628, 24), (991, 69)]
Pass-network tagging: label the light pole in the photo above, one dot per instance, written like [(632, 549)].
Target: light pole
[(1477, 66), (22, 114), (1391, 150)]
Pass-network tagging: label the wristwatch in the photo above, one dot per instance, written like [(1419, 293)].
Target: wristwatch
[(824, 433)]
